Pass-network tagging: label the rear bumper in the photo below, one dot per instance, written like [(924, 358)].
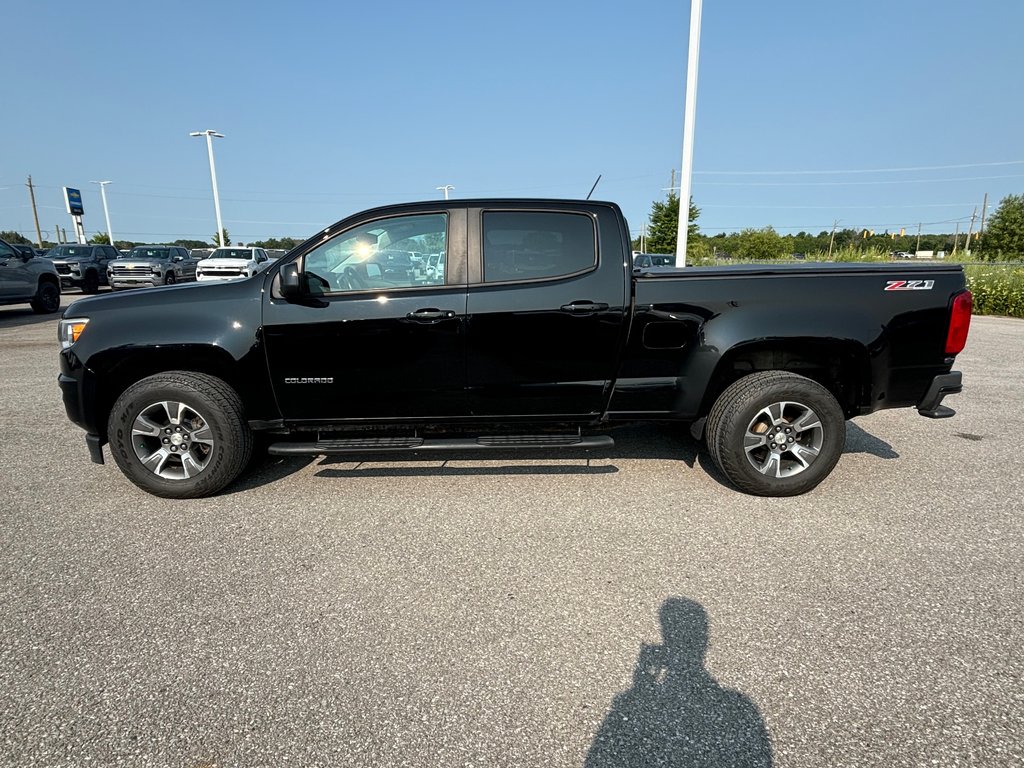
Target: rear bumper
[(931, 404)]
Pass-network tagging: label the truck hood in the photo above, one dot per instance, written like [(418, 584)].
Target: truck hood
[(136, 263), (237, 263)]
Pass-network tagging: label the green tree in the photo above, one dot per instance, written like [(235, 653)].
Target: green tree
[(664, 226), (100, 238), (1004, 235), (190, 244), (227, 238), (278, 243), (14, 238), (759, 244)]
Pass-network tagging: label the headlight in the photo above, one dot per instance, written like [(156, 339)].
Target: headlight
[(156, 269), (73, 264), (69, 331)]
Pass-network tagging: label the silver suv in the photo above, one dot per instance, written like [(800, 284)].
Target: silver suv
[(28, 279)]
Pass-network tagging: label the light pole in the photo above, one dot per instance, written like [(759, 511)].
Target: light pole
[(689, 118), (446, 188), (106, 213), (210, 135)]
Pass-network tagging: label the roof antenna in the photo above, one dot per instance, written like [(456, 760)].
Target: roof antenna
[(593, 187)]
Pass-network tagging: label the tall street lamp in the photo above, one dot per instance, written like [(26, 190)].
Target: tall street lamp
[(106, 213), (689, 119), (446, 189), (210, 135)]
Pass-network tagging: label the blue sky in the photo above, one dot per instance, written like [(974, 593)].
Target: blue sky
[(329, 108)]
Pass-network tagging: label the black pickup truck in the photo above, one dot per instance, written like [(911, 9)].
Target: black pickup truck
[(535, 333)]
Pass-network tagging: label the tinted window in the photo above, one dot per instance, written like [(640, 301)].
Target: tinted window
[(70, 251), (378, 256), (527, 245), (232, 253), (6, 251), (161, 254)]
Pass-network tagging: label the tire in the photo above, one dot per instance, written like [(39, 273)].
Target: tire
[(47, 298), (180, 435), (775, 433), (169, 279)]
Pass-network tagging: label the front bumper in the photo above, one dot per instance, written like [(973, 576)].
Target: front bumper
[(931, 404), (77, 392), (148, 281)]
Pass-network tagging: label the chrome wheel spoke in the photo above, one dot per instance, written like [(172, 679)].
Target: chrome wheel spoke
[(752, 440), (805, 454), (772, 465), (174, 411), (145, 427), (157, 460), (189, 465), (808, 420), (203, 435)]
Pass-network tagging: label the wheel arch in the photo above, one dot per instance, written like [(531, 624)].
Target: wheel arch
[(117, 371), (841, 366)]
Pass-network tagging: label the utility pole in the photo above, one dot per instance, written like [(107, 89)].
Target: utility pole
[(832, 239), (32, 195), (918, 246), (956, 237), (63, 235), (672, 183), (984, 207), (970, 229)]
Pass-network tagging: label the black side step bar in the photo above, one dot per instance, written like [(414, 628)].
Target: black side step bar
[(399, 444)]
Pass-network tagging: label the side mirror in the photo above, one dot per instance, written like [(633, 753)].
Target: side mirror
[(291, 287)]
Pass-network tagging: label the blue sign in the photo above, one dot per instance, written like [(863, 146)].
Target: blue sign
[(73, 201)]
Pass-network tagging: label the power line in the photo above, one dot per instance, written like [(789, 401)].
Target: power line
[(850, 183), (864, 170)]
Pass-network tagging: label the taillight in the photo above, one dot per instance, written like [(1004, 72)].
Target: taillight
[(959, 323)]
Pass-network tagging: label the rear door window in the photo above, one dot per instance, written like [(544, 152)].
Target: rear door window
[(537, 245)]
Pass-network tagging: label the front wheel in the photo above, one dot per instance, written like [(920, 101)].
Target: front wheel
[(169, 279), (775, 433), (180, 435)]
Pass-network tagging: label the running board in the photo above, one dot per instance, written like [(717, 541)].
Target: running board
[(399, 444)]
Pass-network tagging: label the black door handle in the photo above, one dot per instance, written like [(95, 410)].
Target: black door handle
[(581, 307), (430, 315)]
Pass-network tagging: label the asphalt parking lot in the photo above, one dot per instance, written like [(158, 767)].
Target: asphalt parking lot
[(627, 610)]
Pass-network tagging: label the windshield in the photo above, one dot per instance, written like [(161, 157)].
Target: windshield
[(69, 251), (232, 253), (149, 253)]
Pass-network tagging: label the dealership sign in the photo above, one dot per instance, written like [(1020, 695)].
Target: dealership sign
[(73, 201)]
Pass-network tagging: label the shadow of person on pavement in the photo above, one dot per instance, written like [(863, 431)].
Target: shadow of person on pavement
[(676, 713)]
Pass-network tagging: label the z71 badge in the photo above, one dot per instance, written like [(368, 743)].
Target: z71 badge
[(909, 285)]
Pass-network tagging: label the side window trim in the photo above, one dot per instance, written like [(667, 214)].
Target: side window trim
[(477, 268), (454, 225)]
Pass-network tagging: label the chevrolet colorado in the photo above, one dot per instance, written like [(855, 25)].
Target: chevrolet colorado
[(534, 332)]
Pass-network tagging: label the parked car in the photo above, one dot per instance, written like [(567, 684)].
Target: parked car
[(200, 253), (275, 253), (27, 278), (82, 266), (149, 266), (538, 335), (232, 264), (647, 260)]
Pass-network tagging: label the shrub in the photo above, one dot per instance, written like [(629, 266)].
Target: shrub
[(997, 290)]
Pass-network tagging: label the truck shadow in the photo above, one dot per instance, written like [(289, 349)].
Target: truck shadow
[(676, 713), (671, 442)]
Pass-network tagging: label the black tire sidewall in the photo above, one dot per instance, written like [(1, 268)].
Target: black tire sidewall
[(169, 279), (732, 459), (223, 465)]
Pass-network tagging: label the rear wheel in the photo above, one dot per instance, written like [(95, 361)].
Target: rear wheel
[(180, 434), (775, 433), (47, 298)]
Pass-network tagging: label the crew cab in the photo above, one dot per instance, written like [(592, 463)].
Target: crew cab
[(150, 266), (533, 332), (28, 279), (232, 264), (82, 266)]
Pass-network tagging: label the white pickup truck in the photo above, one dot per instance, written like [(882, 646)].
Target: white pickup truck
[(232, 263)]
